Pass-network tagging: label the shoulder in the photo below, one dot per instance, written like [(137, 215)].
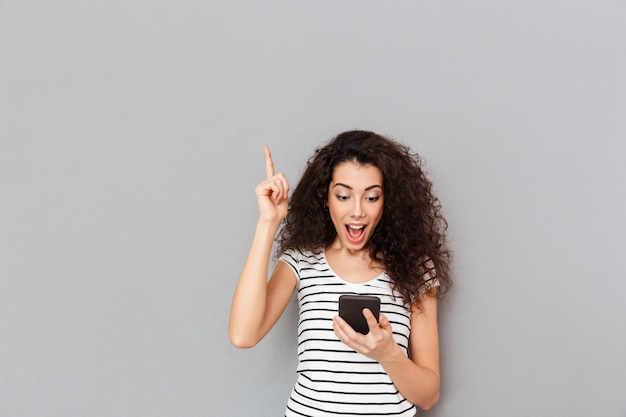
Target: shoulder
[(298, 259)]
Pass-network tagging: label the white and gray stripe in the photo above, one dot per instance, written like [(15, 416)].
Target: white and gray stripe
[(334, 380)]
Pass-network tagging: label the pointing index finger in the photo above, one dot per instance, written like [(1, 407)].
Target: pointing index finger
[(269, 165)]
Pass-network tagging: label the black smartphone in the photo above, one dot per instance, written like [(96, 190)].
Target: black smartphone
[(351, 310)]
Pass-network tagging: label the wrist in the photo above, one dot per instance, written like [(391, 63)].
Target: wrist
[(393, 356), (270, 226)]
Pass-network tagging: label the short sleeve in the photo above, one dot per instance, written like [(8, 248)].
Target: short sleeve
[(291, 257), (429, 277)]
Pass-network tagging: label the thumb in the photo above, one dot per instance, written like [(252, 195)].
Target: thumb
[(372, 323), (383, 322)]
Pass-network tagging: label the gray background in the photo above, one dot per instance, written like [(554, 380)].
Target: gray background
[(131, 137)]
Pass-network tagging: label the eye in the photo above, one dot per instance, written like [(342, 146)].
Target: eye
[(341, 197), (373, 199)]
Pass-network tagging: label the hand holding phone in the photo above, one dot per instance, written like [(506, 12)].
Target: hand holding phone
[(351, 310)]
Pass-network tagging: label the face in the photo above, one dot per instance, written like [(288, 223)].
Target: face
[(355, 203)]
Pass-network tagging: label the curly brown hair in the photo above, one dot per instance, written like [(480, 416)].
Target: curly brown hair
[(409, 241)]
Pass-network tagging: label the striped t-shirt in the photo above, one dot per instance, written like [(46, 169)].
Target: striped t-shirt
[(333, 379)]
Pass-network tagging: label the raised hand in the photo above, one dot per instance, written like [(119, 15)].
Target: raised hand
[(273, 193)]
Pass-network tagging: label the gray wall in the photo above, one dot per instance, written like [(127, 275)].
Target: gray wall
[(131, 135)]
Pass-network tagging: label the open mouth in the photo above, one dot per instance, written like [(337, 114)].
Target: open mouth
[(355, 233)]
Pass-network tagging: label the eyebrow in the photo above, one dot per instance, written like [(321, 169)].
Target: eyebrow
[(339, 184)]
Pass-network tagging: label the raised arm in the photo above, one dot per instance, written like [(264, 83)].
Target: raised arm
[(257, 304)]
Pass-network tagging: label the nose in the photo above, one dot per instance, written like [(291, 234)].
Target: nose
[(357, 209)]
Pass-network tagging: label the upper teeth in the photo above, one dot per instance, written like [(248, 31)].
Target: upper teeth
[(356, 227)]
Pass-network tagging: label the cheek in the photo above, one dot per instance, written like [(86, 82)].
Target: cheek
[(333, 212), (378, 213), (336, 209)]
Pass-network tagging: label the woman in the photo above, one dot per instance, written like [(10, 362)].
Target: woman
[(362, 220)]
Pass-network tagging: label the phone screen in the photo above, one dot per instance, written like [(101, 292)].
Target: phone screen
[(351, 310)]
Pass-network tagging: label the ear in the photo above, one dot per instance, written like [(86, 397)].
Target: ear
[(324, 200)]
